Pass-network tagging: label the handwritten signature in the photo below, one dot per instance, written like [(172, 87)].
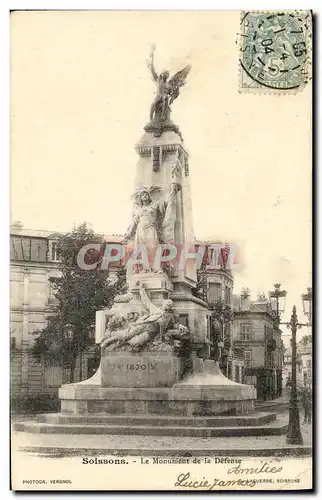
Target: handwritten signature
[(186, 481), (265, 468)]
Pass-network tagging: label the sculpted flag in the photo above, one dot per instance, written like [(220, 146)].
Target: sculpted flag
[(169, 219)]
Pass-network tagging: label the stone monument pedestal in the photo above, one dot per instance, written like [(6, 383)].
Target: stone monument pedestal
[(206, 393)]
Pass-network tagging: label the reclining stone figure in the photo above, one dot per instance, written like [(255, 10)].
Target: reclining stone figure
[(156, 322)]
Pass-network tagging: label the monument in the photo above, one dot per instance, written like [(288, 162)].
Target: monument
[(156, 375), (155, 339)]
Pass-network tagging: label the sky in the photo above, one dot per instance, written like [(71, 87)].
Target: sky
[(80, 96)]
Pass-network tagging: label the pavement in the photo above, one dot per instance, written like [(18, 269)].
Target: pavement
[(54, 445)]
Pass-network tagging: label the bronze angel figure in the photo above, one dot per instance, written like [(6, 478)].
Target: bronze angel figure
[(167, 90)]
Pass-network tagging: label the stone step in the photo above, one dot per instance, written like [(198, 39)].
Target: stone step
[(148, 430), (278, 407), (158, 420)]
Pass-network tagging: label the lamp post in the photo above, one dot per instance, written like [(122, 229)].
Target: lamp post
[(277, 303), (307, 304), (294, 435), (277, 299)]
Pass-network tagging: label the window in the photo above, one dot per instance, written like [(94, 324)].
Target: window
[(53, 252), (237, 374), (269, 360), (28, 249), (227, 294), (224, 256), (213, 256), (214, 291), (268, 333), (308, 363), (13, 342), (51, 295), (53, 376), (248, 358), (245, 331)]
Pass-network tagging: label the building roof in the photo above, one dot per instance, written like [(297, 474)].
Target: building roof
[(17, 229)]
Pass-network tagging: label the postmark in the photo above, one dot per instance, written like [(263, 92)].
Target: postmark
[(275, 51)]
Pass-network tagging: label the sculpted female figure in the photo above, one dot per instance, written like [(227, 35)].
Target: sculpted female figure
[(145, 220), (153, 221)]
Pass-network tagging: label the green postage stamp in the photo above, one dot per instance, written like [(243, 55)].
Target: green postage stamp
[(275, 51)]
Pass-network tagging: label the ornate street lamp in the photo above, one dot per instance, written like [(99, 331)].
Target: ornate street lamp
[(276, 306), (307, 305), (294, 435), (277, 301)]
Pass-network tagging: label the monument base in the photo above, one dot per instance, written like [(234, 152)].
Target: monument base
[(207, 392), (148, 401), (205, 405)]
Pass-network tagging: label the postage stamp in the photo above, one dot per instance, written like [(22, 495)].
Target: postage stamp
[(275, 51)]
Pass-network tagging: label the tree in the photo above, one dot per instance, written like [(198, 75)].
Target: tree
[(79, 293), (245, 293), (200, 290), (222, 316), (306, 339)]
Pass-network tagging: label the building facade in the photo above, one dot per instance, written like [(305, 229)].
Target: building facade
[(305, 352), (287, 368), (218, 283), (254, 332), (303, 364), (33, 264)]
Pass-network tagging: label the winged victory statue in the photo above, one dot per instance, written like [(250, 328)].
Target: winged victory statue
[(167, 90)]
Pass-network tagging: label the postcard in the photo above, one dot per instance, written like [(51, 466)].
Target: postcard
[(160, 250)]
